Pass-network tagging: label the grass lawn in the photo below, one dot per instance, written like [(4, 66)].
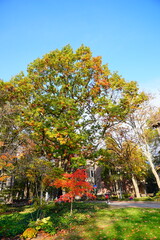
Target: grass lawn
[(120, 224), (90, 221)]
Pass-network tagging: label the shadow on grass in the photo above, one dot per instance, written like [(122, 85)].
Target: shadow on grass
[(14, 223), (90, 221), (138, 223), (128, 223), (118, 224)]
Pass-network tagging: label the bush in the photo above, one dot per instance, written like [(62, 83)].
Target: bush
[(43, 224), (126, 195), (3, 208), (100, 197), (29, 233), (13, 224), (144, 199), (157, 197), (114, 197), (158, 194)]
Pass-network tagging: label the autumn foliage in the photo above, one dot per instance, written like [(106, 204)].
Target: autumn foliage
[(53, 116), (75, 184)]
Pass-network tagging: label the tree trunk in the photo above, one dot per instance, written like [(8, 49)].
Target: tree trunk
[(71, 207), (41, 194), (135, 186), (116, 187), (158, 129), (149, 158), (28, 190)]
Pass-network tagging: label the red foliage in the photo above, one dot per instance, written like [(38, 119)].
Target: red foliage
[(75, 185)]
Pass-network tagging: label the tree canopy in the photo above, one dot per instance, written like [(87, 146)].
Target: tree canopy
[(60, 110)]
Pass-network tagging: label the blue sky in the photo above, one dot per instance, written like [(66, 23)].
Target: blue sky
[(126, 33)]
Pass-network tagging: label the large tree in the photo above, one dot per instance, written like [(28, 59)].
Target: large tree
[(66, 102), (69, 94)]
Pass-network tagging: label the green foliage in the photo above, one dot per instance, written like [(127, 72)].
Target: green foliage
[(3, 208), (13, 224), (43, 224), (157, 197), (158, 194), (144, 199), (52, 218)]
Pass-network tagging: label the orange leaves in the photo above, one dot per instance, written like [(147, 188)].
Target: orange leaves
[(6, 161), (4, 178), (3, 157), (97, 64), (104, 83), (95, 90), (5, 165), (1, 143)]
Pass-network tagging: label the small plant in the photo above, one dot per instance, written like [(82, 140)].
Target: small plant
[(29, 233), (3, 208), (43, 224), (157, 197)]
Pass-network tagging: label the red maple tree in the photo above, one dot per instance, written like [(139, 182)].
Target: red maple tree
[(75, 184)]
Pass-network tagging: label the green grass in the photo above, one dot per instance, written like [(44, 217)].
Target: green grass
[(15, 221), (90, 221), (125, 223), (118, 224)]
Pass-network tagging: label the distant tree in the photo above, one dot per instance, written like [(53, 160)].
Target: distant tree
[(143, 134), (124, 156)]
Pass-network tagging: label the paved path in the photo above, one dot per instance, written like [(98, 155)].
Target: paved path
[(135, 204)]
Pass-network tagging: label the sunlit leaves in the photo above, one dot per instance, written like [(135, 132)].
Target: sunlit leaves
[(64, 104)]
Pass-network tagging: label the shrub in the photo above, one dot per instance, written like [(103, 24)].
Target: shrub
[(29, 233), (143, 199), (157, 197), (114, 197), (100, 197), (126, 195), (3, 208), (43, 224)]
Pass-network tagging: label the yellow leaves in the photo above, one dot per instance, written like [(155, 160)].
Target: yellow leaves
[(62, 140), (41, 110), (20, 155), (31, 176), (30, 123), (52, 134), (61, 137)]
